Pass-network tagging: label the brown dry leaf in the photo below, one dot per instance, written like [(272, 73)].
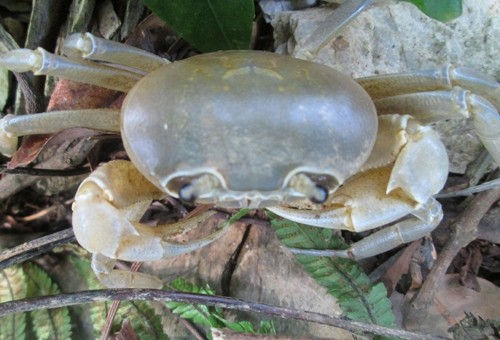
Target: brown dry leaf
[(453, 300), (468, 272), (70, 95), (67, 95), (399, 268), (127, 332), (28, 151)]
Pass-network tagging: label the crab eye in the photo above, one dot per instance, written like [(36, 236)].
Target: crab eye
[(312, 186), (198, 186)]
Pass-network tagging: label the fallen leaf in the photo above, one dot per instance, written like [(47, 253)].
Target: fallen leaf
[(468, 272), (399, 268)]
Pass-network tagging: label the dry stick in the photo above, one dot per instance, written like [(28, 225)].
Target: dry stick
[(77, 298), (464, 232), (44, 172), (34, 248)]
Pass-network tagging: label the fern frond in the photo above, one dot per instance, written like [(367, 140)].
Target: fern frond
[(145, 321), (343, 278), (199, 314), (13, 287), (209, 316), (98, 312), (50, 323), (141, 315)]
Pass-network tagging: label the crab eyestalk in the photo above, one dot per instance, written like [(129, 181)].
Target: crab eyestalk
[(304, 185), (198, 187)]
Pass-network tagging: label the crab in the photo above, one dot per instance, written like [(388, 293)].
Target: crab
[(255, 129)]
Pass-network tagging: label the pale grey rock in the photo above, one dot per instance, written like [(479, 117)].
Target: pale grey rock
[(397, 37)]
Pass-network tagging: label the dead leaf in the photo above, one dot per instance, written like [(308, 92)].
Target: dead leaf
[(468, 272), (454, 299), (70, 95), (127, 332), (28, 151), (399, 268)]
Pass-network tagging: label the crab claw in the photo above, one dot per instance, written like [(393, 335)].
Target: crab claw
[(106, 213)]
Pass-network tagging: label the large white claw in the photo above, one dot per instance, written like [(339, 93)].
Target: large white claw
[(106, 213), (421, 168)]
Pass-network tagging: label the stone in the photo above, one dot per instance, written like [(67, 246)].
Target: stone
[(397, 37)]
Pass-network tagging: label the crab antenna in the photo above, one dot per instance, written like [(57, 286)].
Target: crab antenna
[(198, 187), (303, 184)]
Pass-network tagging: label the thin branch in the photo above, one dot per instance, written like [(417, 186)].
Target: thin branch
[(71, 299), (44, 172), (464, 231), (34, 248)]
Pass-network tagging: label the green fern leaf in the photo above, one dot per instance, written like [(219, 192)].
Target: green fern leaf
[(265, 327), (98, 311), (209, 316), (141, 315), (13, 287), (50, 323), (143, 320), (343, 278), (199, 314)]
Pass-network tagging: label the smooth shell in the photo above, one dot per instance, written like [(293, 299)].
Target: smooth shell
[(252, 118)]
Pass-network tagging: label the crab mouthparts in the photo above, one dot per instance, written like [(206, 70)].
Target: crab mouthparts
[(207, 189)]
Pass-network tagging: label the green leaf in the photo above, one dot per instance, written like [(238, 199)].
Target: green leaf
[(4, 87), (141, 314), (48, 323), (199, 314), (344, 278), (209, 25), (238, 215), (442, 10), (209, 316), (143, 320), (13, 287)]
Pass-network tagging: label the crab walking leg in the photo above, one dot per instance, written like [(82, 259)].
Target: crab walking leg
[(405, 231), (91, 47), (41, 62), (429, 107), (446, 78), (106, 213), (12, 127), (368, 206)]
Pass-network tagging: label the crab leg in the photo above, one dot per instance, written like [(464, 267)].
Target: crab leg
[(388, 85), (429, 107), (41, 62), (106, 213), (353, 214), (405, 231), (91, 47), (12, 127)]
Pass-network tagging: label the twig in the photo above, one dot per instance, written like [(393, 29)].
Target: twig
[(71, 299), (114, 307), (34, 248), (464, 232), (44, 172), (44, 212)]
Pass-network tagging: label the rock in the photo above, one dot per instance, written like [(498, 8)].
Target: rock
[(397, 37)]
